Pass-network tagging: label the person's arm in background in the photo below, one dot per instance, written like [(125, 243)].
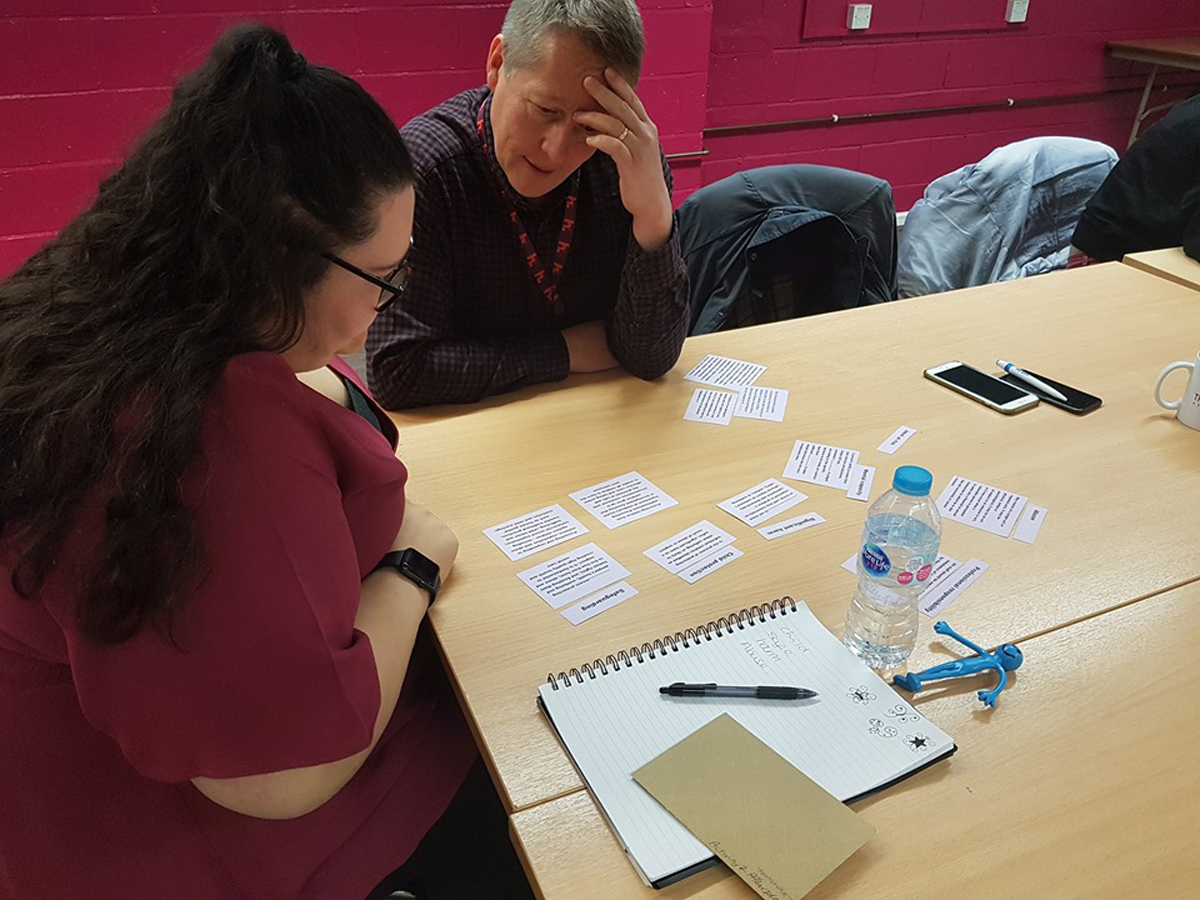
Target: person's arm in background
[(651, 316), (415, 357)]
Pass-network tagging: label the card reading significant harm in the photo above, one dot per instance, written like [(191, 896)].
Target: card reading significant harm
[(681, 550), (623, 499), (528, 534), (721, 371), (762, 403), (821, 464), (575, 574), (598, 603), (788, 526), (713, 407), (980, 505), (764, 501)]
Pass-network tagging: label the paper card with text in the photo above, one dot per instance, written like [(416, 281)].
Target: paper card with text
[(713, 407), (534, 532), (980, 505), (765, 500), (937, 597), (861, 479), (896, 440), (1030, 524), (721, 371), (821, 464), (573, 575), (756, 402), (623, 499), (790, 526), (598, 603), (691, 545), (774, 827)]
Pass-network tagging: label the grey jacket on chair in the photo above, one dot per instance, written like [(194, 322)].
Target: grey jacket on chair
[(1007, 216), (829, 233)]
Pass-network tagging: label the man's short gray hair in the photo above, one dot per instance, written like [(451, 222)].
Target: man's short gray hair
[(611, 29)]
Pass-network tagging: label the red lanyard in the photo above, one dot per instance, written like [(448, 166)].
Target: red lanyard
[(549, 285)]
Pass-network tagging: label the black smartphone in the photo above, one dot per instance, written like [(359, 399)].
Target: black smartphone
[(1078, 402)]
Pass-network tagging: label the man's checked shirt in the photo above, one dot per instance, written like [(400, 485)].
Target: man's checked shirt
[(473, 322)]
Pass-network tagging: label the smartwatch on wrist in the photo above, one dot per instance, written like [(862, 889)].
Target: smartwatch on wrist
[(416, 567)]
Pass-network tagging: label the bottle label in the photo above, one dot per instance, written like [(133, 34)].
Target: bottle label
[(905, 577), (874, 560), (923, 572)]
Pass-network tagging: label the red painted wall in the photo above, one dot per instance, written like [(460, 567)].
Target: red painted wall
[(80, 78), (775, 61)]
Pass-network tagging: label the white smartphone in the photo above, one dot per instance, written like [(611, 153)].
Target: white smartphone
[(988, 390)]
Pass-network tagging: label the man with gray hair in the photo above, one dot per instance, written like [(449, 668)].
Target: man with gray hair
[(533, 255)]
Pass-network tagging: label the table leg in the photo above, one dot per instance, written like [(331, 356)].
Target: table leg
[(1141, 112)]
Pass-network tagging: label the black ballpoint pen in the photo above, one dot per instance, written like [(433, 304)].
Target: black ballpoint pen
[(760, 691)]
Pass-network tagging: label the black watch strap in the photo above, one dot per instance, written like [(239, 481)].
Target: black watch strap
[(416, 567)]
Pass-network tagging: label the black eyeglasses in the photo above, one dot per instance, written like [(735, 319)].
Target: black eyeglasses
[(391, 286)]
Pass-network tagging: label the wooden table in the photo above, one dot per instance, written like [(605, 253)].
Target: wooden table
[(1180, 53), (1172, 263), (1120, 484), (1083, 782)]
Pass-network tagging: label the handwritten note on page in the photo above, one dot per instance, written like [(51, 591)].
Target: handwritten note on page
[(771, 824), (623, 499)]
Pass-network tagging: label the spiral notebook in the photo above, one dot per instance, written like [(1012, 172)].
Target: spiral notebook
[(858, 737)]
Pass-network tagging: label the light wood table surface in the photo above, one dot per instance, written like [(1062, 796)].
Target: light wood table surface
[(1120, 484), (1082, 783), (1178, 53), (1172, 263)]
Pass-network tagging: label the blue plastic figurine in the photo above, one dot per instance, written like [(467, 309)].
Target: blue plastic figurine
[(1006, 658)]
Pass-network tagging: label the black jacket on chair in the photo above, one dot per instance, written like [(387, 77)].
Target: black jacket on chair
[(784, 241)]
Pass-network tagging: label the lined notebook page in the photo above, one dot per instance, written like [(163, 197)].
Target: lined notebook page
[(859, 735)]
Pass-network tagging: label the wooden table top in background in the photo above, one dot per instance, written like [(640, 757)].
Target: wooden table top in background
[(1120, 484), (1081, 783), (1172, 263), (1182, 53)]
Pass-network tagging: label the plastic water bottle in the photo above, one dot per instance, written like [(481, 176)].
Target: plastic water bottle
[(899, 546)]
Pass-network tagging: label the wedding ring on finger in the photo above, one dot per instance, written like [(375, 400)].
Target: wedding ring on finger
[(624, 134)]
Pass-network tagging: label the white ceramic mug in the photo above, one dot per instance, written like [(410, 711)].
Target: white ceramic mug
[(1188, 406)]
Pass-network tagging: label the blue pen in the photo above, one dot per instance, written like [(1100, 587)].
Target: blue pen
[(1032, 380)]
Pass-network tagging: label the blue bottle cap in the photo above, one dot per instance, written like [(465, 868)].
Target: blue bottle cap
[(912, 480)]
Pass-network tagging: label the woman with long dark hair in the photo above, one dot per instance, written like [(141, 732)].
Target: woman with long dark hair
[(214, 680)]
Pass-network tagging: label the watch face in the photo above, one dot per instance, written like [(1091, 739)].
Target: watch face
[(422, 568)]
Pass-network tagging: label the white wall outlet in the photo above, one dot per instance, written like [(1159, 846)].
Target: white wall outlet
[(1017, 11), (858, 16)]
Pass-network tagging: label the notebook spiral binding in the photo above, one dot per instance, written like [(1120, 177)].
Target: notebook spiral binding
[(672, 643)]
